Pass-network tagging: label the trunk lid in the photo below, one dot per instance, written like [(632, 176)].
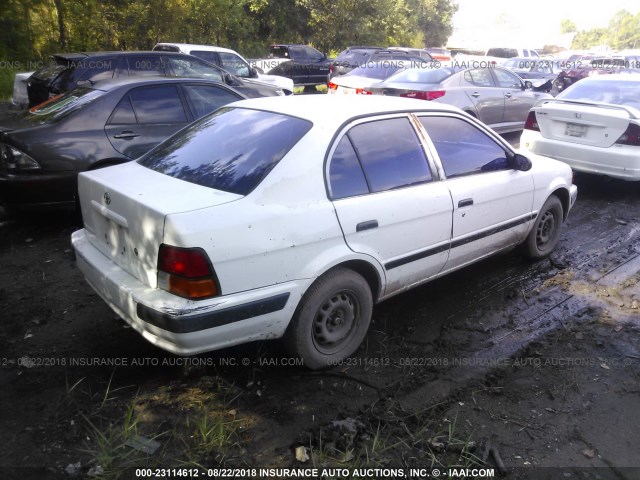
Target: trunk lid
[(124, 209), (598, 125)]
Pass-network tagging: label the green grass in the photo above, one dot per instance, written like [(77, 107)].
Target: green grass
[(7, 76)]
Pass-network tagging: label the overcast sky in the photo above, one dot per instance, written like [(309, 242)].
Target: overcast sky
[(532, 23)]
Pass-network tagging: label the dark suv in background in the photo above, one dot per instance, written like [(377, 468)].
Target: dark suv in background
[(67, 71), (358, 56)]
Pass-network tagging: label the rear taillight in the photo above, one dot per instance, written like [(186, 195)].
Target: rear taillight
[(431, 95), (631, 136), (332, 86), (362, 91), (186, 272), (532, 122)]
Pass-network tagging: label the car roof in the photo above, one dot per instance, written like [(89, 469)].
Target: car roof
[(83, 55), (334, 110), (193, 46), (108, 85), (614, 77)]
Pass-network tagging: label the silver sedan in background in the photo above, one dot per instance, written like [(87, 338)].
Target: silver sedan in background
[(496, 96)]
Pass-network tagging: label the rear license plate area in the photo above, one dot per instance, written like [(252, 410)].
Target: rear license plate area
[(575, 130)]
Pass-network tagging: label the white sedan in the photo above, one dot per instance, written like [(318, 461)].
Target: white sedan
[(358, 80), (593, 126), (292, 217)]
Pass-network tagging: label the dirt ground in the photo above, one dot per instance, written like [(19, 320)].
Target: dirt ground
[(530, 369)]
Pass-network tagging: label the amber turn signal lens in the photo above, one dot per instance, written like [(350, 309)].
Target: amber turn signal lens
[(193, 289)]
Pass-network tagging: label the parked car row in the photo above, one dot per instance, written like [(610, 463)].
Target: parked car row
[(290, 218), (496, 96), (115, 121), (67, 71), (197, 189)]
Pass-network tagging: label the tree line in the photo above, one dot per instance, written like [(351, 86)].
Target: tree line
[(622, 32), (33, 29)]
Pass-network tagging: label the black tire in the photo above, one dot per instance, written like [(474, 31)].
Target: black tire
[(331, 320), (546, 230)]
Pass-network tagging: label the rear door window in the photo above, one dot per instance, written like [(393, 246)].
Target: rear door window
[(480, 77), (464, 149), (205, 99), (161, 104), (232, 150), (123, 113), (506, 79), (390, 153), (345, 172)]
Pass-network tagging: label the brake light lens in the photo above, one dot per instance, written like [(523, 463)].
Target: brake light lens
[(631, 136), (186, 272), (13, 159), (332, 86), (431, 95), (532, 122), (362, 91)]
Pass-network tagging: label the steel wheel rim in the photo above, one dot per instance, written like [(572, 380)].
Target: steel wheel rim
[(335, 320), (546, 229)]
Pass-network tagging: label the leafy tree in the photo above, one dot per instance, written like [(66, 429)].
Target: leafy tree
[(586, 39), (624, 31), (567, 26)]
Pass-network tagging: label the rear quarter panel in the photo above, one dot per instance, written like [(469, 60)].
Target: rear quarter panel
[(284, 230)]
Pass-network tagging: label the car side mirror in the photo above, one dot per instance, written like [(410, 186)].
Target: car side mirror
[(253, 72), (520, 162), (229, 79)]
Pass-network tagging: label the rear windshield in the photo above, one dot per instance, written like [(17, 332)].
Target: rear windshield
[(619, 93), (279, 52), (60, 106), (379, 70), (354, 57), (502, 52), (422, 75), (51, 70), (166, 48), (232, 149)]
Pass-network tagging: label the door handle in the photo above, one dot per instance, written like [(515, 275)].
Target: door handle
[(126, 134), (368, 225), (475, 94), (508, 95), (465, 203)]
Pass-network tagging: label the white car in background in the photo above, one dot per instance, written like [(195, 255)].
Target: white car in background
[(358, 80), (292, 217), (228, 59), (593, 126)]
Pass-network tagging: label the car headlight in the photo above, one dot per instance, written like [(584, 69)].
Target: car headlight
[(13, 159)]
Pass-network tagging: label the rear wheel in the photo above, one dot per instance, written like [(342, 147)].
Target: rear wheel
[(546, 230), (332, 319)]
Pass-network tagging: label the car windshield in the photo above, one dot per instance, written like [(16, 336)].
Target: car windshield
[(607, 91), (60, 106), (434, 76), (232, 149)]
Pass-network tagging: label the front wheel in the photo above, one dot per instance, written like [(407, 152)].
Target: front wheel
[(332, 319), (546, 230)]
